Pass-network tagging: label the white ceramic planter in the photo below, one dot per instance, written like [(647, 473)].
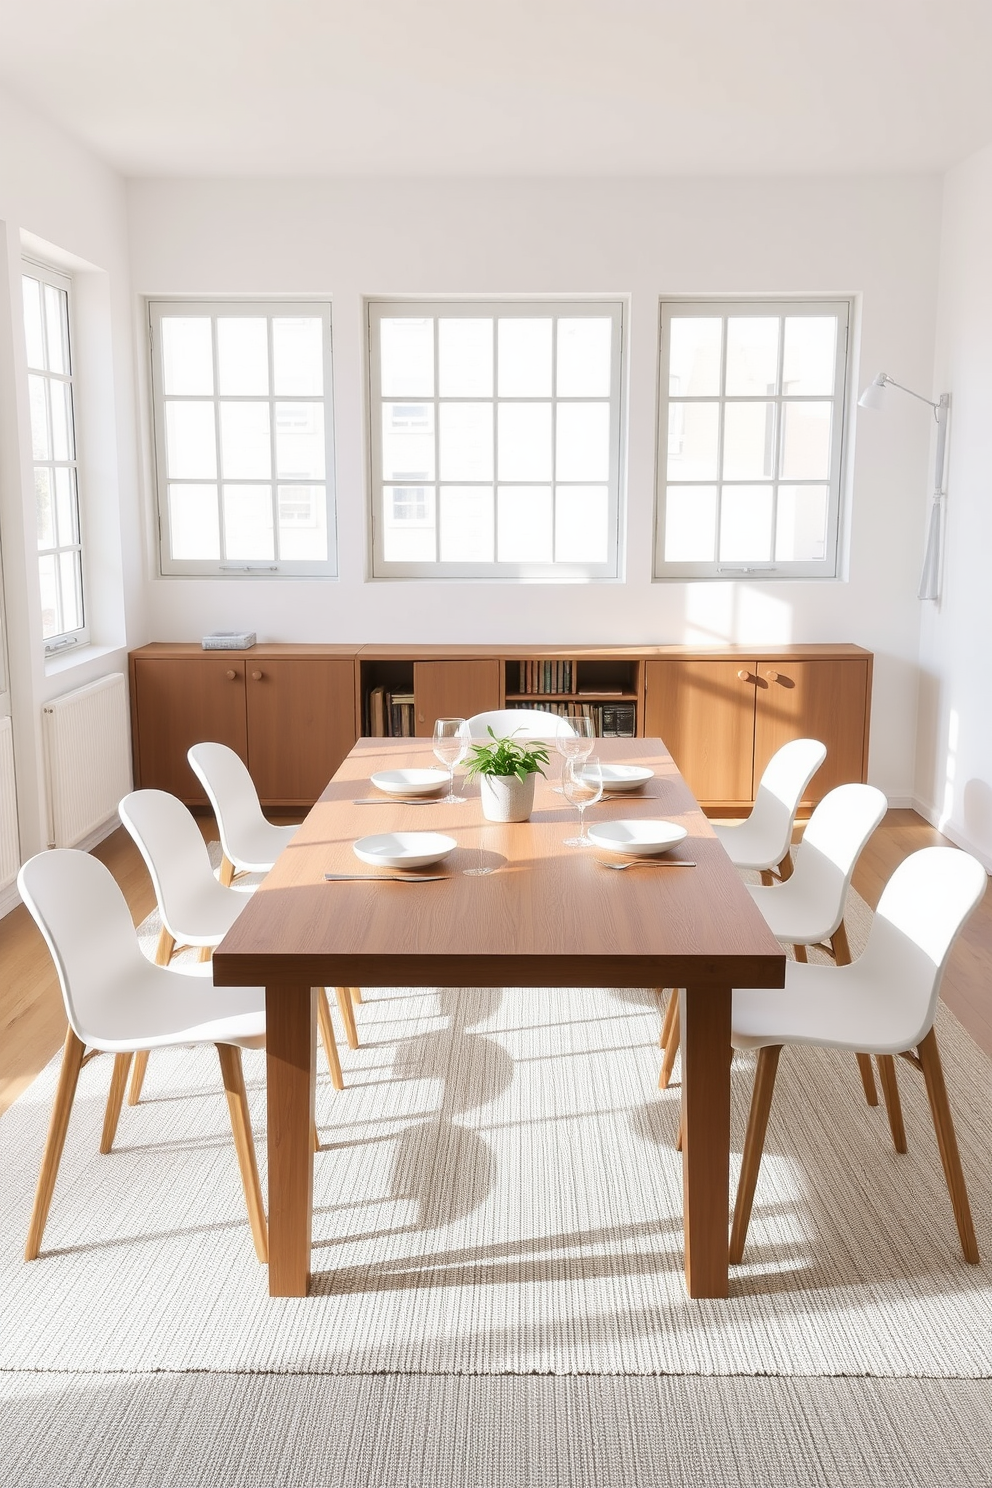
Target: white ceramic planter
[(505, 798)]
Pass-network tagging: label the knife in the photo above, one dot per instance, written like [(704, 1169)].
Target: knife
[(386, 877)]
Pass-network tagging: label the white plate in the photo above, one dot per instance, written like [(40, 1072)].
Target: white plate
[(638, 838), (625, 777), (409, 782), (404, 849)]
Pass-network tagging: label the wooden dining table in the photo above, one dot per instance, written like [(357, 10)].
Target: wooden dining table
[(543, 915)]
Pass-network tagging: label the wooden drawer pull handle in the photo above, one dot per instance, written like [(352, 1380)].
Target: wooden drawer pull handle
[(772, 676), (745, 675), (256, 676), (230, 675)]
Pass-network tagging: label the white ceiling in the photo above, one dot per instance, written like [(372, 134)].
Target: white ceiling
[(508, 87)]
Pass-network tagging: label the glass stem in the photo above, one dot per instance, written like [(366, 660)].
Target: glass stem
[(451, 781)]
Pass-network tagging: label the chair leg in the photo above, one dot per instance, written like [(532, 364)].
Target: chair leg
[(164, 947), (115, 1099), (841, 952), (893, 1106), (672, 1046), (754, 1144), (328, 1039), (867, 1078), (137, 1077), (347, 1015), (800, 953), (244, 1145), (947, 1144), (356, 995), (226, 874), (206, 953), (671, 1007), (767, 878), (72, 1061), (785, 868)]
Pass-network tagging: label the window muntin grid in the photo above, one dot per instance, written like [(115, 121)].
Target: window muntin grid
[(242, 402)]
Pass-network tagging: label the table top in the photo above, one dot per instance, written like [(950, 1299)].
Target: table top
[(548, 915)]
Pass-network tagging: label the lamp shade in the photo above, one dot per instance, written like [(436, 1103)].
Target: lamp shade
[(874, 394)]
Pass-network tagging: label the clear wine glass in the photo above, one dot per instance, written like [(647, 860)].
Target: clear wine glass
[(582, 783), (451, 741), (575, 739)]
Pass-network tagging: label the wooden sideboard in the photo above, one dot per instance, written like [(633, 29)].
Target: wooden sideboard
[(293, 711)]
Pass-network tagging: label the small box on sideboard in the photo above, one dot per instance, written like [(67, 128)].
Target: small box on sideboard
[(229, 640)]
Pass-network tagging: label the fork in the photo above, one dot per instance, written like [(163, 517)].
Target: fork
[(395, 801), (646, 863)]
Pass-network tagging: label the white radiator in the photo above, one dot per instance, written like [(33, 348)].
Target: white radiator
[(10, 854), (87, 758)]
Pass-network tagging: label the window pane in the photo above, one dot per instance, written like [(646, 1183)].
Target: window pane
[(66, 507), (408, 524), (57, 335), (33, 334), (801, 523), (61, 404), (466, 441), (406, 350), (50, 615), (187, 356), (693, 440), (690, 524), (194, 523), (524, 355), (582, 450), (44, 506), (190, 447), (806, 440), (245, 451), (242, 356), (748, 440), (524, 533), (524, 441), (298, 357), (694, 358), (584, 362), (467, 524), (810, 354), (408, 441), (41, 441), (752, 355), (71, 590), (302, 522), (465, 358), (300, 441), (248, 522), (581, 524), (746, 524)]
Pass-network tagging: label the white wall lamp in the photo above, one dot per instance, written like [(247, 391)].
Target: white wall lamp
[(874, 397)]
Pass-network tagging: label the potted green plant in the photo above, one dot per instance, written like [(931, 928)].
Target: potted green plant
[(507, 770)]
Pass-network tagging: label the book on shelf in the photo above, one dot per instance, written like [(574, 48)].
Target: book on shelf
[(401, 715), (544, 677), (377, 713)]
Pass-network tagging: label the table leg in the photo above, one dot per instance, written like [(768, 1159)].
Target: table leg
[(705, 1018), (290, 1055)]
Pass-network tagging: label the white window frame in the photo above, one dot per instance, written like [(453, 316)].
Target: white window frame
[(553, 309), (78, 635), (774, 568), (277, 568)]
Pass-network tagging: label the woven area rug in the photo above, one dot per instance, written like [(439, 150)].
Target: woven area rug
[(498, 1193)]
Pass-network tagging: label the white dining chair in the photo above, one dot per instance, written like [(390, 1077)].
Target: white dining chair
[(119, 1002), (808, 909), (250, 842), (764, 839), (883, 1003), (526, 723), (195, 909)]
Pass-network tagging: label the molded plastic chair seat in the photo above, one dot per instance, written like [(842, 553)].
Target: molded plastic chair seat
[(526, 723), (883, 1003), (118, 1001), (251, 844), (763, 841)]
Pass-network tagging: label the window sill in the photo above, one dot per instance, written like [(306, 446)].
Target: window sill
[(65, 661)]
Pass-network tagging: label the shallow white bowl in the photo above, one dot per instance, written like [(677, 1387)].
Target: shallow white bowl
[(404, 849), (625, 777), (638, 838), (409, 782)]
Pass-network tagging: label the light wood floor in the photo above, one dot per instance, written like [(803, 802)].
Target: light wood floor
[(32, 1019)]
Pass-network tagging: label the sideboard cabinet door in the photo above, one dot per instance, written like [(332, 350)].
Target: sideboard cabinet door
[(453, 689), (823, 699), (179, 702), (301, 724), (704, 712)]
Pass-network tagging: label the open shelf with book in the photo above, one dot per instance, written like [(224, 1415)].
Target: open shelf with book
[(608, 690), (387, 699)]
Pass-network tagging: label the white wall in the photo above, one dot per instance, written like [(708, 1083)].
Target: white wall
[(874, 238), (954, 777), (65, 202)]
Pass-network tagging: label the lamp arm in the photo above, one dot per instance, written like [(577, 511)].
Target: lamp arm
[(891, 382)]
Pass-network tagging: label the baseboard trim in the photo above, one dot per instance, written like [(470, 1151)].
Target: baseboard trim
[(952, 833)]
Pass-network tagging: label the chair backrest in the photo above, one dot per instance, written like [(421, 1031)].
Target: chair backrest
[(923, 908), (231, 792), (832, 843), (175, 855), (783, 781), (526, 723), (85, 920)]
